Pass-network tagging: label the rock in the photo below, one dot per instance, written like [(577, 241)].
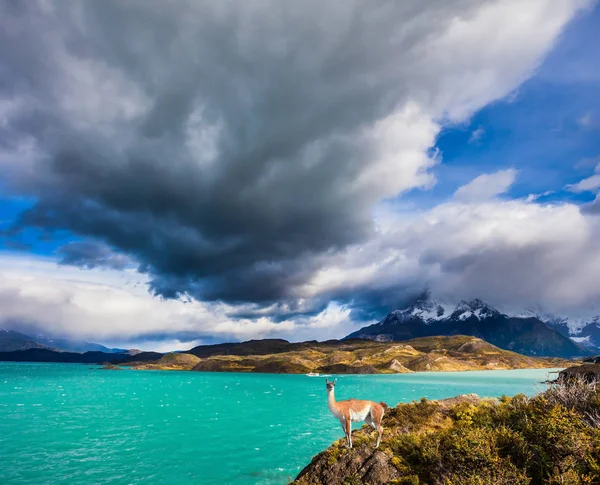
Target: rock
[(588, 372), (402, 348), (398, 367), (433, 362), (365, 463)]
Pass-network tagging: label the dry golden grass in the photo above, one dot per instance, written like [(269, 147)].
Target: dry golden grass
[(455, 353)]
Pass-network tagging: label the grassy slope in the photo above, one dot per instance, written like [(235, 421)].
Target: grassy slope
[(357, 356), (171, 362), (553, 438)]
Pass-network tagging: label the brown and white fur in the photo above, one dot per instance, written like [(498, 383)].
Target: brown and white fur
[(355, 410)]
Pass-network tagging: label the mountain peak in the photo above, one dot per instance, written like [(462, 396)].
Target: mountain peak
[(426, 308), (427, 317), (474, 308)]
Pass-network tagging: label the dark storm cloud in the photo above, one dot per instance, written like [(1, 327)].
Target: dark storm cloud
[(90, 254), (235, 149), (216, 143)]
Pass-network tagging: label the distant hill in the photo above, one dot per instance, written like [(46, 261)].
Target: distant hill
[(453, 353), (11, 340), (74, 345), (92, 357), (351, 356), (172, 361), (48, 355), (138, 358), (427, 317)]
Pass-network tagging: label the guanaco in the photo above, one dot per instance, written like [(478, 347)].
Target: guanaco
[(355, 410)]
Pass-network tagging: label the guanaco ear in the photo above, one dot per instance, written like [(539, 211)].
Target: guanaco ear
[(326, 381), (334, 381)]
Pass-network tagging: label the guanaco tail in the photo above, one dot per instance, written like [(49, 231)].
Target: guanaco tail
[(355, 410)]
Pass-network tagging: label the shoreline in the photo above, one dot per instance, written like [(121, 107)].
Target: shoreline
[(458, 353), (444, 372), (441, 372)]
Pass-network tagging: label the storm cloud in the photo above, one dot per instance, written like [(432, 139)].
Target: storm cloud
[(237, 150)]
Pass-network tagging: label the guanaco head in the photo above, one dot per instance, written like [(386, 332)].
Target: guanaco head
[(330, 384)]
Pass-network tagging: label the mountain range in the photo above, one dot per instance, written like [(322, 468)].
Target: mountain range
[(530, 332), (11, 340), (525, 333), (583, 330)]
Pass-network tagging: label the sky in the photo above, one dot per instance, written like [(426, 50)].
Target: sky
[(197, 172)]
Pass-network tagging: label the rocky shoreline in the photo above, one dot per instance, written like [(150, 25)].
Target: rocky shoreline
[(551, 438)]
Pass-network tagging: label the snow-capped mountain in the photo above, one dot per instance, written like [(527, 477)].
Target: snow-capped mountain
[(583, 329), (427, 308), (426, 316)]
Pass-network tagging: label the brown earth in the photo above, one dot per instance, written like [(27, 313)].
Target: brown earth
[(440, 354)]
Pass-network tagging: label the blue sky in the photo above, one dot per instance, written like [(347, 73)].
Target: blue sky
[(223, 174), (548, 129)]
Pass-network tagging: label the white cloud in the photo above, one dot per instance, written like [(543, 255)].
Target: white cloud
[(114, 307), (515, 252), (487, 186), (589, 184), (477, 135)]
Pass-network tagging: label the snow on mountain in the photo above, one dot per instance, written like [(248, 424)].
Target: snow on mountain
[(474, 308), (431, 309), (581, 340), (582, 328), (427, 308), (574, 324), (426, 317)]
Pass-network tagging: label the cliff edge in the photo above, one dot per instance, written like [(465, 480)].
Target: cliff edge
[(549, 439)]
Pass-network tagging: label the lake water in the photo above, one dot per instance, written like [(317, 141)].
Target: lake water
[(72, 424)]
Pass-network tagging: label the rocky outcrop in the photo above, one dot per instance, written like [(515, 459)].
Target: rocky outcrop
[(398, 368), (362, 465), (549, 438), (435, 362), (587, 372)]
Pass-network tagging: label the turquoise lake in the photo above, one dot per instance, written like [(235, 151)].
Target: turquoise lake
[(76, 424)]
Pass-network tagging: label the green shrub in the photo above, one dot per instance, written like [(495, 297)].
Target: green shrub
[(553, 438), (514, 441)]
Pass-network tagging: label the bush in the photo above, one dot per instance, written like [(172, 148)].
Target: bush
[(552, 438)]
